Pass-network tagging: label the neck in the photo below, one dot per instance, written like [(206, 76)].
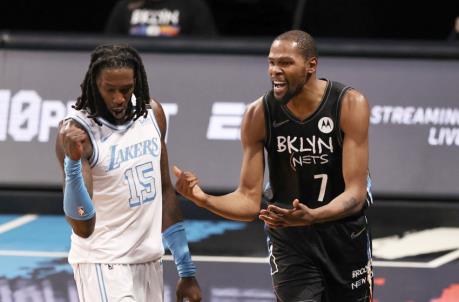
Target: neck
[(309, 99)]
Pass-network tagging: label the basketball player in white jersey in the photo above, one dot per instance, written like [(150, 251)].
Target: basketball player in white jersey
[(118, 196)]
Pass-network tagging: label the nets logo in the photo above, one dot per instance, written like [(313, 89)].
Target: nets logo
[(325, 125)]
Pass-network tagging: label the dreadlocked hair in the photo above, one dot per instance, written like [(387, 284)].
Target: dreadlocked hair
[(113, 56)]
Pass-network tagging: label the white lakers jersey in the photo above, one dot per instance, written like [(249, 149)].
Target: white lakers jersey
[(127, 195)]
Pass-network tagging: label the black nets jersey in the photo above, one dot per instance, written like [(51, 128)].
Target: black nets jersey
[(305, 157)]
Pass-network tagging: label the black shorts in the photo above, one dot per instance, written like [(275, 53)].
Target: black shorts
[(328, 262)]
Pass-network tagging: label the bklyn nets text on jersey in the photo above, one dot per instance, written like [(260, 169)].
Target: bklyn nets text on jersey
[(316, 149)]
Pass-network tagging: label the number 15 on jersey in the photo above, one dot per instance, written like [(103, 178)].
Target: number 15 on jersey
[(142, 184)]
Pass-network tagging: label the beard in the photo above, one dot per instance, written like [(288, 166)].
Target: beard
[(110, 117), (291, 92)]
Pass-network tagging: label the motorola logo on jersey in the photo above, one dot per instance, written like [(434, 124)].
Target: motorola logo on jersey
[(325, 125)]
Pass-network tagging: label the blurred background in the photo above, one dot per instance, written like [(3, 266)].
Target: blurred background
[(248, 18)]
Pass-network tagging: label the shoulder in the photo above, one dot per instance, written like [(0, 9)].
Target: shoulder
[(73, 121), (65, 128), (255, 108), (160, 117), (254, 113), (81, 119), (354, 110), (353, 98), (253, 123)]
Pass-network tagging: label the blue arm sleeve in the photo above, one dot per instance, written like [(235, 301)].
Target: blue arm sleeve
[(175, 239), (77, 202)]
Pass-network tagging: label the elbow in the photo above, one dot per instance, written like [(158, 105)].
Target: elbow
[(248, 214), (360, 199), (82, 228), (83, 234), (252, 214), (358, 208), (251, 217)]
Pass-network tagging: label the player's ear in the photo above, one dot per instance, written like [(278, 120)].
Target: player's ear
[(311, 65)]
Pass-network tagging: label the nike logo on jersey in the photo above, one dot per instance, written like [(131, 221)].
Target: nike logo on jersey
[(278, 124), (357, 234)]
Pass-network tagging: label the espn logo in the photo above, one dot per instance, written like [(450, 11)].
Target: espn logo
[(225, 121)]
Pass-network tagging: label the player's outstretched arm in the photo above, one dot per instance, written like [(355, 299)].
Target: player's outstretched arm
[(244, 203)]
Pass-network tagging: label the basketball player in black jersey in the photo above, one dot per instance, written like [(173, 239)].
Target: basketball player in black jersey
[(315, 132)]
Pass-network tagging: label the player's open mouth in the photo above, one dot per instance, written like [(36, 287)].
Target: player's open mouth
[(118, 111), (279, 86)]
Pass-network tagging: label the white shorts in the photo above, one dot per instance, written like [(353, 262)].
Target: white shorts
[(119, 282)]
